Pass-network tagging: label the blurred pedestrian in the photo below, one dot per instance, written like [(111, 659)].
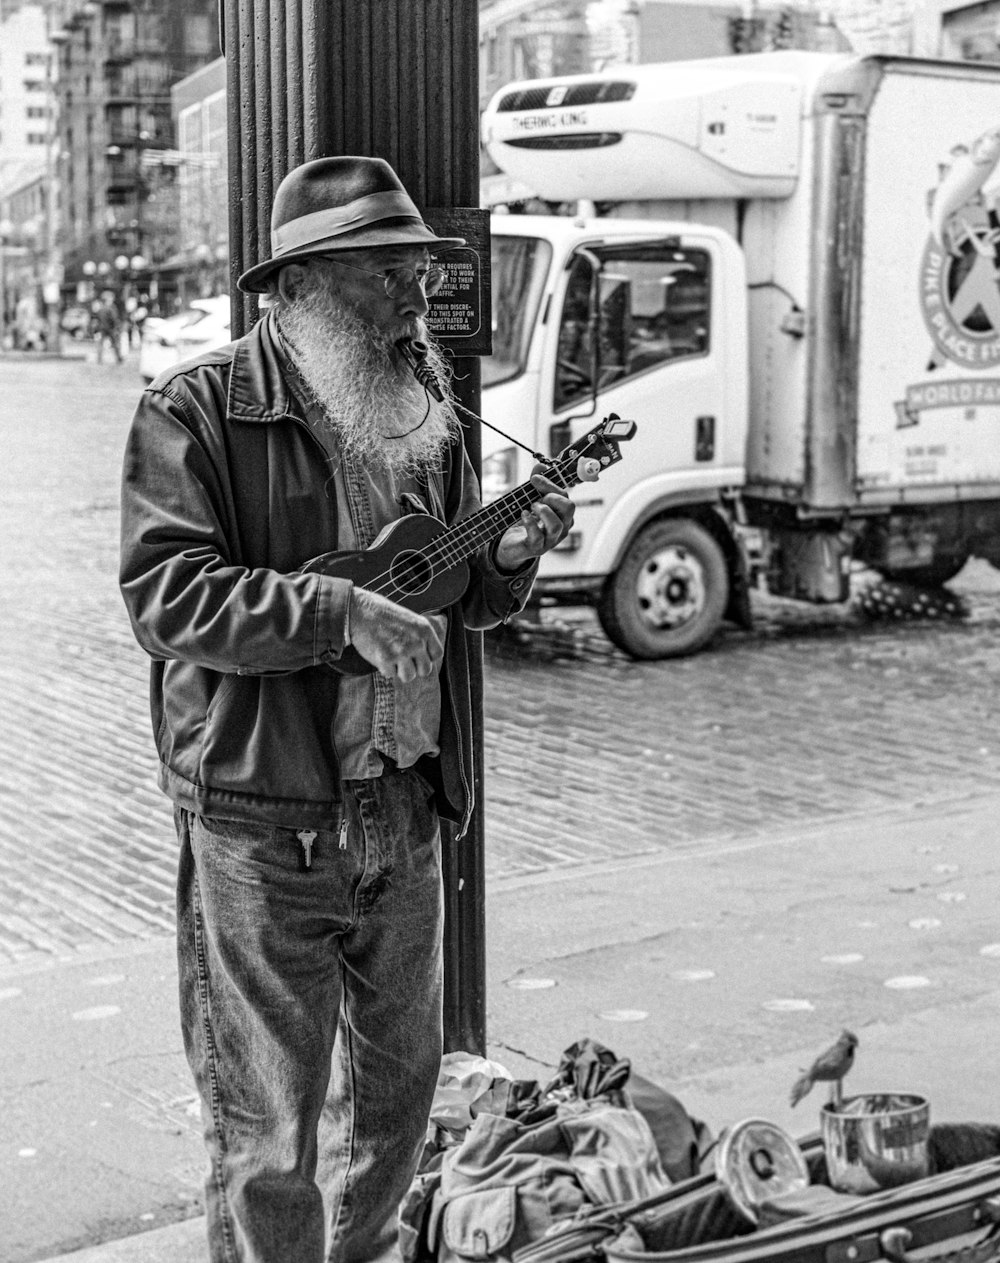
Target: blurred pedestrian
[(138, 319), (310, 730), (28, 324), (107, 329)]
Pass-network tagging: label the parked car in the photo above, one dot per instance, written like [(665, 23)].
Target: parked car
[(200, 327)]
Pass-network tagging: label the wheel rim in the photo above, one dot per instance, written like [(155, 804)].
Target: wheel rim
[(670, 588)]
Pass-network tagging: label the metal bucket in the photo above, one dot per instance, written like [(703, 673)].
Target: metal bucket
[(875, 1141)]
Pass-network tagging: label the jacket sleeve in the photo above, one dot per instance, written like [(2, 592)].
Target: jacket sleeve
[(492, 596), (187, 596)]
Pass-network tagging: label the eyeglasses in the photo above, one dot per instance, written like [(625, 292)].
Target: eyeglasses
[(398, 280)]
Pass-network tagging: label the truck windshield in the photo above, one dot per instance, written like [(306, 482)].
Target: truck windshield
[(519, 267)]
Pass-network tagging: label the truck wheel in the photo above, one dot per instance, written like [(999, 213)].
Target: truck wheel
[(668, 596)]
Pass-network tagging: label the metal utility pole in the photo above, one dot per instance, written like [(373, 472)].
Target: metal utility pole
[(394, 79), (53, 269)]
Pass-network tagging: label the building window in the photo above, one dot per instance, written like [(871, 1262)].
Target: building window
[(492, 54), (36, 59), (972, 33), (199, 38), (35, 111), (36, 138)]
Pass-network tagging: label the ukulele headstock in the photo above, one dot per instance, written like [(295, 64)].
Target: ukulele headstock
[(597, 450)]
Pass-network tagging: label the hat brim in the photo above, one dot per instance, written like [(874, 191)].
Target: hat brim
[(253, 280)]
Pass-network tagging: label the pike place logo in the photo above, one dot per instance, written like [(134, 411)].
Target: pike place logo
[(960, 270)]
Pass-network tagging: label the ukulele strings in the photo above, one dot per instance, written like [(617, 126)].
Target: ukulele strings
[(450, 551)]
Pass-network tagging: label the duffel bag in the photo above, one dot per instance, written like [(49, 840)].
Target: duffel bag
[(509, 1183)]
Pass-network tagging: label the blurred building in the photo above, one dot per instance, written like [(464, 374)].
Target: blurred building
[(25, 106), (27, 189), (522, 39), (529, 39), (200, 265), (117, 62), (532, 39), (24, 254), (967, 32), (113, 170), (951, 29)]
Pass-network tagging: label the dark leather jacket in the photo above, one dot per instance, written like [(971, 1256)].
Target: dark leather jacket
[(225, 494)]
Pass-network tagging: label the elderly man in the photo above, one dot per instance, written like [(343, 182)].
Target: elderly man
[(309, 729)]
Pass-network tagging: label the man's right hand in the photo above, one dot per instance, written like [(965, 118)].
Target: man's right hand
[(399, 644)]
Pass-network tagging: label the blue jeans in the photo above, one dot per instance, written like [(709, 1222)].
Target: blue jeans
[(311, 1011)]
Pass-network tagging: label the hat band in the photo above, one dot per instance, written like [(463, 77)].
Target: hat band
[(307, 230)]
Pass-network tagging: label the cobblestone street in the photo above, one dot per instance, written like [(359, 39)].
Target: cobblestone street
[(816, 714), (711, 863)]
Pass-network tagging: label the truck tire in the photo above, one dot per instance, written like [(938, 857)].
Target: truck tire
[(668, 596)]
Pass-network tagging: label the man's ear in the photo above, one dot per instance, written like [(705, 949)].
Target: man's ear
[(290, 280)]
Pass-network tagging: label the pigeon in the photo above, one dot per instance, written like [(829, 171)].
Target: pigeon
[(830, 1066)]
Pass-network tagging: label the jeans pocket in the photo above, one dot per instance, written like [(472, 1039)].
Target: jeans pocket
[(252, 831), (254, 841)]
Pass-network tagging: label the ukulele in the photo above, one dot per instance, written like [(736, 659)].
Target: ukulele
[(422, 563)]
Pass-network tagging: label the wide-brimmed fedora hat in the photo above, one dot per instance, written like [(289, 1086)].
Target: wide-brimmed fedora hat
[(345, 203)]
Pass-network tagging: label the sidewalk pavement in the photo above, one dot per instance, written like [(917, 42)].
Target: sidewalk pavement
[(71, 351), (722, 972)]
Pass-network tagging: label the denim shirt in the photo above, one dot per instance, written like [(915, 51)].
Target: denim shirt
[(377, 716)]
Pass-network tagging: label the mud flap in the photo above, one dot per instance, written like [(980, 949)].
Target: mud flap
[(738, 609)]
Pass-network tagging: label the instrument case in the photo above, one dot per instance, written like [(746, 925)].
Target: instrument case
[(951, 1216)]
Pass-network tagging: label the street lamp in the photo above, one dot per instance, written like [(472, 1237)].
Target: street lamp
[(127, 269), (53, 273), (87, 291)]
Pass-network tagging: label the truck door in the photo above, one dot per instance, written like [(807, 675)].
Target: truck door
[(641, 317)]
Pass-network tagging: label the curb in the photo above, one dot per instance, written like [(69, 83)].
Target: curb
[(183, 1242)]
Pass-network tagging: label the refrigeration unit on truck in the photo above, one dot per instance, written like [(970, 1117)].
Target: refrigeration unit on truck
[(786, 273)]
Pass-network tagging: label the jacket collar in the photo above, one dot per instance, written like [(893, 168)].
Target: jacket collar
[(258, 389)]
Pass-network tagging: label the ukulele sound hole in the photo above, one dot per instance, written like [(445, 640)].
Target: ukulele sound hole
[(412, 573)]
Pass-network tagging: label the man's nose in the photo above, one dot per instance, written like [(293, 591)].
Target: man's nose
[(414, 301)]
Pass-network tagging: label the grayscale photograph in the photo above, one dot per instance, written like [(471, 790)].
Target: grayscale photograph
[(501, 513)]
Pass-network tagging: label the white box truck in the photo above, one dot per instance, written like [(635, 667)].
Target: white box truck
[(786, 272)]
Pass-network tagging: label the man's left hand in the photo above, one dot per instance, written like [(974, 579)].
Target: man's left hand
[(541, 527)]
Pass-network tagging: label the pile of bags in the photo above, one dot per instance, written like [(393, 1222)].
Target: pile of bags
[(507, 1160)]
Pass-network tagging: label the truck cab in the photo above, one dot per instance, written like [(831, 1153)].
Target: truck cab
[(592, 312)]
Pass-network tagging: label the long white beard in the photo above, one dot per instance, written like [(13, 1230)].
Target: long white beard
[(382, 418)]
